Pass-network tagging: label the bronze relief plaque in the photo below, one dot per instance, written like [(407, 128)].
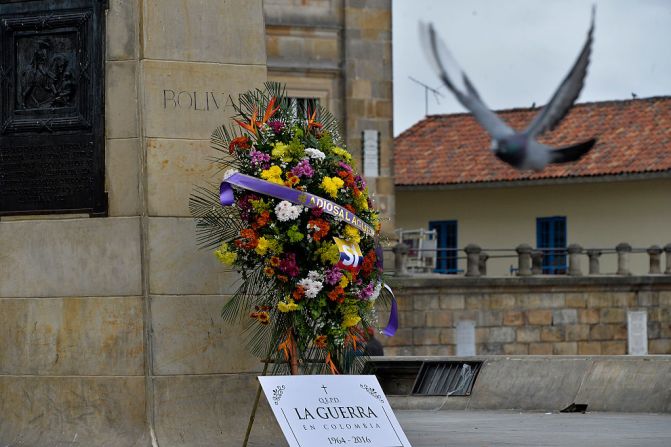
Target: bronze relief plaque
[(52, 107)]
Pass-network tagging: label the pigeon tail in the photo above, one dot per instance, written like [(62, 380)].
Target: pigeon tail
[(571, 153)]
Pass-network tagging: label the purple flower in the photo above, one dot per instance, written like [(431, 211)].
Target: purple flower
[(317, 211), (276, 125), (288, 265), (367, 291), (303, 169), (360, 182), (345, 166), (332, 276), (260, 159)]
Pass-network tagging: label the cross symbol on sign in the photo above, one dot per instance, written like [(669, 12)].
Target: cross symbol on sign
[(324, 386)]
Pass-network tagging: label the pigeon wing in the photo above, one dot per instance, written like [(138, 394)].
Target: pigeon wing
[(566, 94), (445, 66)]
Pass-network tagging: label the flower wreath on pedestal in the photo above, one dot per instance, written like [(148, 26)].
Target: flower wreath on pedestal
[(295, 219)]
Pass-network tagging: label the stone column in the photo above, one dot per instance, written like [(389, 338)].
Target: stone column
[(655, 252), (524, 259), (472, 260), (667, 251), (537, 262), (594, 261), (574, 252), (400, 259), (482, 264), (623, 249)]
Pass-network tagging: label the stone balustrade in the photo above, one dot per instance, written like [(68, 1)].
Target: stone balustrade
[(530, 260)]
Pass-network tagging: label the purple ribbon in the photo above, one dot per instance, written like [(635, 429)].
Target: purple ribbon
[(392, 325), (292, 195)]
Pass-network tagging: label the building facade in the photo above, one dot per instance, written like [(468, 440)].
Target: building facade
[(448, 180)]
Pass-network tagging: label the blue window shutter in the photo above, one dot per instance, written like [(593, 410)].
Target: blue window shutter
[(551, 239), (446, 234)]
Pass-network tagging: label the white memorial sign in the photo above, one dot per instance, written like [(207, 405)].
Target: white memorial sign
[(371, 153), (465, 338), (637, 332), (323, 411)]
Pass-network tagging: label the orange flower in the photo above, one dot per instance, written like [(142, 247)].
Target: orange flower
[(240, 142), (253, 124), (292, 180), (268, 271), (249, 240), (337, 295), (263, 317), (298, 293), (282, 278), (319, 228), (262, 219), (312, 121), (320, 341), (275, 261), (351, 338)]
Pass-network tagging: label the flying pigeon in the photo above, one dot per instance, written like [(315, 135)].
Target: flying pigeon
[(518, 149)]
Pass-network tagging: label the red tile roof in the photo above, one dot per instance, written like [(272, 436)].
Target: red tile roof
[(634, 136)]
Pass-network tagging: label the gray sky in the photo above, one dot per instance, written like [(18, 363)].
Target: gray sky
[(516, 52)]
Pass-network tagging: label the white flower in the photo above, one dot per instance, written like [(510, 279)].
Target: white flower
[(314, 275), (315, 153), (229, 173), (286, 211), (376, 292), (312, 287)]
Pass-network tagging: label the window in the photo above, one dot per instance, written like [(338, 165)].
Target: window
[(446, 236), (551, 239), (302, 106)]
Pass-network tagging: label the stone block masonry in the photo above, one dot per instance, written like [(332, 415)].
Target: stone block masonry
[(526, 315)]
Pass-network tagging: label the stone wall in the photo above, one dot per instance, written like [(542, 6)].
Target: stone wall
[(536, 316), (109, 327)]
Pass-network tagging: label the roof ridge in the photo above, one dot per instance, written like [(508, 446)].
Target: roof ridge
[(529, 109)]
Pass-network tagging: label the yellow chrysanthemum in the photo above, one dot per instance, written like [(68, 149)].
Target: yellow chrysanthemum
[(281, 152), (262, 246), (352, 234), (226, 256), (266, 245), (331, 185), (329, 253), (361, 202), (273, 174), (342, 153), (350, 320), (343, 282), (287, 306)]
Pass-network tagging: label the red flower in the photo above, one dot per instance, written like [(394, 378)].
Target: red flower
[(240, 142), (368, 263)]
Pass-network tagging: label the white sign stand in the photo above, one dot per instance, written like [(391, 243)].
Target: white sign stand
[(324, 411)]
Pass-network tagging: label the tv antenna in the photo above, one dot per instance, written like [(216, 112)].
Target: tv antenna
[(427, 89)]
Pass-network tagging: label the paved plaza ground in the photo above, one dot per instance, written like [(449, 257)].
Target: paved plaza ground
[(499, 428)]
